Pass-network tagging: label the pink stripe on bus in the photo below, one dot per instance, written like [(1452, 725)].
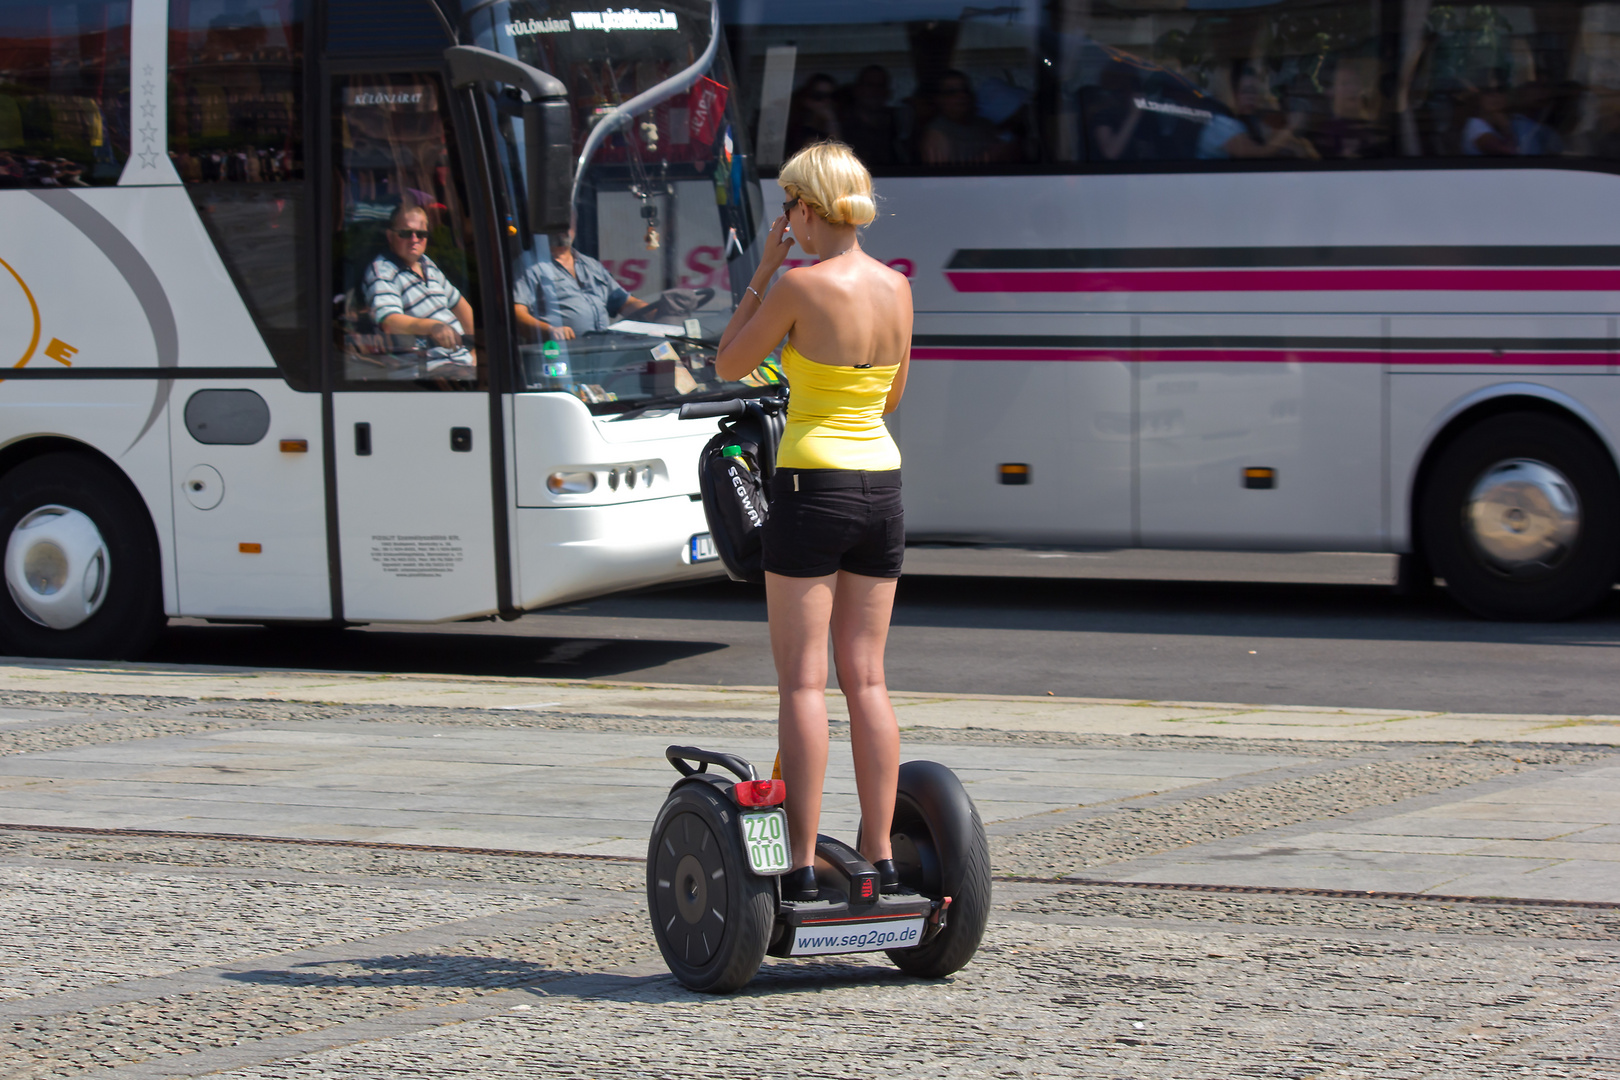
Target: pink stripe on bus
[(1303, 280), (1275, 356)]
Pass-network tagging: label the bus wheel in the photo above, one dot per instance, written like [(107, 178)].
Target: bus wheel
[(81, 562), (1520, 517)]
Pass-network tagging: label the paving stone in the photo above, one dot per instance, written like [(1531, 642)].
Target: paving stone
[(144, 957)]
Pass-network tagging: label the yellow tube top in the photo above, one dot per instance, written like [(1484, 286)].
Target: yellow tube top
[(835, 416)]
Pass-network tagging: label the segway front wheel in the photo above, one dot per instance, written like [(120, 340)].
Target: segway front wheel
[(711, 916), (941, 850)]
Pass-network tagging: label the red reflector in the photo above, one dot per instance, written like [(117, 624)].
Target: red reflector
[(866, 888), (760, 792)]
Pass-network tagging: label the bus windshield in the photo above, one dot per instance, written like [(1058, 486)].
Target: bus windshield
[(625, 310)]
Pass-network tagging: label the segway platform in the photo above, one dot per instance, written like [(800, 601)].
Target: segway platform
[(851, 914), (719, 847)]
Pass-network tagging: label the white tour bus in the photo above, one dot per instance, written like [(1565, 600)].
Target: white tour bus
[(1263, 274), (206, 416)]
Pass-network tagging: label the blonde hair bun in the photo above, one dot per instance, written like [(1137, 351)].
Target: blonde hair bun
[(832, 181)]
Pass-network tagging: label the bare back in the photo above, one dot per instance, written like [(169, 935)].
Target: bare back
[(850, 311)]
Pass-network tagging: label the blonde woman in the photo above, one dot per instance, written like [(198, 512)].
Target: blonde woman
[(835, 537)]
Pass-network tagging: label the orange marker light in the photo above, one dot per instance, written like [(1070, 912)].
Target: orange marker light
[(295, 446), (250, 549), (1014, 472)]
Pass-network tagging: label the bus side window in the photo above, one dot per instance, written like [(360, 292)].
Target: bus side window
[(64, 94), (236, 136), (404, 268)]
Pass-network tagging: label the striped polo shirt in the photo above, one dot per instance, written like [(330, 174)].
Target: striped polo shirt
[(395, 290)]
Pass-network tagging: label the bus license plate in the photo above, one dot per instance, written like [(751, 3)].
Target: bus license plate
[(765, 835), (856, 937), (701, 547)]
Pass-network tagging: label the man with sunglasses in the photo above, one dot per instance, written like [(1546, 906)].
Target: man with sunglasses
[(411, 297)]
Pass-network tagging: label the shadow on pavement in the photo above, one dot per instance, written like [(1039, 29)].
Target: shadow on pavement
[(463, 649), (1124, 606), (435, 969)]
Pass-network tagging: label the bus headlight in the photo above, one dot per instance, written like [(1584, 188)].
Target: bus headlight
[(571, 483)]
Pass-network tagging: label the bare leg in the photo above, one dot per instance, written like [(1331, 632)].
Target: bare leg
[(860, 629), (799, 610)]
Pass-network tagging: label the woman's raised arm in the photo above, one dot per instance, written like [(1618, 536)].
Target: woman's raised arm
[(765, 314)]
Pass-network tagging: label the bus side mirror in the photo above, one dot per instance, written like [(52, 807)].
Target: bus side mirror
[(548, 138), (548, 146)]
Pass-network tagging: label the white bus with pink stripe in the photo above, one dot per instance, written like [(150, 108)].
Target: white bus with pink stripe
[(1189, 277)]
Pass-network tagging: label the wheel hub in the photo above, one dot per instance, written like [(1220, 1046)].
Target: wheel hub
[(57, 567), (1523, 516), (691, 889)]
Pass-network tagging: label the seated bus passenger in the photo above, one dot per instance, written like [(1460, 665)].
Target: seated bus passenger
[(409, 296), (570, 293), (1257, 127), (958, 135), (1489, 132), (1114, 117), (872, 127)]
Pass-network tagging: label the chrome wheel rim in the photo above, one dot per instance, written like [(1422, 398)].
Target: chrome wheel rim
[(1523, 517), (57, 567)]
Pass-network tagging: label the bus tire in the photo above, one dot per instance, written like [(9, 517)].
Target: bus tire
[(941, 850), (1521, 517), (82, 570), (712, 916)]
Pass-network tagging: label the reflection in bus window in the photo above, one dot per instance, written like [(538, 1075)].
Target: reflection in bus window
[(624, 312), (934, 83), (942, 84), (64, 93), (1506, 81), (235, 84), (404, 312)]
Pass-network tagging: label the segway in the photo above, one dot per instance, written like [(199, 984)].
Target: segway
[(720, 846)]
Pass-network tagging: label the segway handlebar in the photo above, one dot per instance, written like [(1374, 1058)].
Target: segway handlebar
[(703, 410), (679, 756)]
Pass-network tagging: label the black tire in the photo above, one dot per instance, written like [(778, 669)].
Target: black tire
[(941, 850), (713, 930), (1575, 582), (130, 617)]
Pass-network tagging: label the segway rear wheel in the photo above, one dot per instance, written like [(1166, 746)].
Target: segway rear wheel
[(941, 850), (711, 915)]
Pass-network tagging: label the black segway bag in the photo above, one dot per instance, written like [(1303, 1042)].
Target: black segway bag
[(734, 474)]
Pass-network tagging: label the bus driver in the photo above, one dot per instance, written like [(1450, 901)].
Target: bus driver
[(410, 296), (574, 292)]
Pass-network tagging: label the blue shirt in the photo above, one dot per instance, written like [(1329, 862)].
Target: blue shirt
[(582, 301)]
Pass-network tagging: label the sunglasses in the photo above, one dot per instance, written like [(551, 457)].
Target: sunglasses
[(788, 206), (410, 234)]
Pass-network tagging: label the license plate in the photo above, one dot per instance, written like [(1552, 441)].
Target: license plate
[(857, 937), (701, 548), (765, 835)]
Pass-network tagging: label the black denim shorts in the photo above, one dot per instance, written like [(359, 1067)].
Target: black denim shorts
[(826, 520)]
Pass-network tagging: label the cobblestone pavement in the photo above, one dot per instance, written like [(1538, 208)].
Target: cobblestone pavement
[(148, 957)]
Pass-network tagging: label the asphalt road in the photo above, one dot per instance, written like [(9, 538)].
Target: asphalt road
[(1321, 630)]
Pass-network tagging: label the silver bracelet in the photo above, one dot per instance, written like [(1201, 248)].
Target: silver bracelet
[(755, 291)]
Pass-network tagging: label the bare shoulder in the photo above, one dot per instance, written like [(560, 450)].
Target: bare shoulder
[(897, 283), (794, 280)]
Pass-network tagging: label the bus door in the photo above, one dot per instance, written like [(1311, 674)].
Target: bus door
[(410, 405)]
